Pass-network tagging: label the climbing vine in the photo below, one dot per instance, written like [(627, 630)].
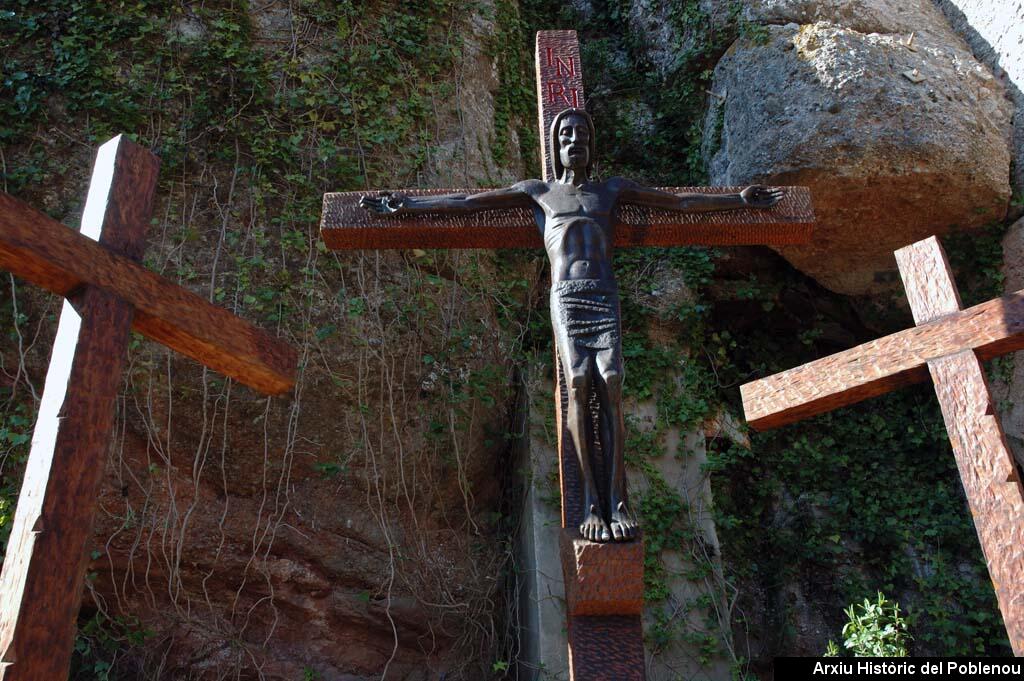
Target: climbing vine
[(844, 505), (862, 499), (255, 112)]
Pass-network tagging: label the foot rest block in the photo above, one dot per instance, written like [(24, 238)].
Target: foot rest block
[(602, 579)]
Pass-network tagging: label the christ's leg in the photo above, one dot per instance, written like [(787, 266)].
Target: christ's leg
[(576, 372), (613, 437)]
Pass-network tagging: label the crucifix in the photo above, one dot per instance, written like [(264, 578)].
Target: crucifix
[(108, 294), (579, 221), (948, 344)]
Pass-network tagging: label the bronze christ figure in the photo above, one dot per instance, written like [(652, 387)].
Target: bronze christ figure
[(574, 215)]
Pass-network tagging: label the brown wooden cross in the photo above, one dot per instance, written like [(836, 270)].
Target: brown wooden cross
[(949, 344), (604, 582), (108, 295)]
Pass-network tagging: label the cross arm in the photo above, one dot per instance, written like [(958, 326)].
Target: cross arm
[(689, 202), (44, 252), (990, 329), (345, 225), (695, 202), (516, 196)]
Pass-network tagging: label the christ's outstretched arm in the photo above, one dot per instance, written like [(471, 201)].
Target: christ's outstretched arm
[(754, 196), (390, 204)]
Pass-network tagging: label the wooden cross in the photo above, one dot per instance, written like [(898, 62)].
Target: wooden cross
[(949, 344), (604, 582), (108, 295)]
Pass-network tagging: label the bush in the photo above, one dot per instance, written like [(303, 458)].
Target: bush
[(874, 630)]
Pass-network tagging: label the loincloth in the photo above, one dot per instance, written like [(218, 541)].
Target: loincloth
[(587, 312)]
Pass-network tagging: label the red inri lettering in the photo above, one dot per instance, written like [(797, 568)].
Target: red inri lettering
[(559, 63), (556, 90)]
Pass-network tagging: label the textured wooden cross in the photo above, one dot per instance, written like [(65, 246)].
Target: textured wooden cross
[(604, 583), (108, 295), (949, 344)]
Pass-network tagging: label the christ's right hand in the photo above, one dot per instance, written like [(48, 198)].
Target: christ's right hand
[(385, 204), (757, 196)]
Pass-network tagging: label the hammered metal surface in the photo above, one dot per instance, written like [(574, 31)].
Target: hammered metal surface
[(928, 281), (991, 329), (602, 579), (568, 462), (990, 478), (606, 648), (347, 226)]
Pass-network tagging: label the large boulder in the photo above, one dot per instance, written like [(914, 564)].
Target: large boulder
[(863, 16), (995, 31), (877, 107)]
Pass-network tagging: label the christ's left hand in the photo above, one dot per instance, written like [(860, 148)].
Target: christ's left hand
[(757, 196)]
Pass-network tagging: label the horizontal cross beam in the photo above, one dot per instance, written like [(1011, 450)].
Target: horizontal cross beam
[(948, 344), (42, 251), (42, 577), (347, 226), (990, 329), (990, 478), (109, 294)]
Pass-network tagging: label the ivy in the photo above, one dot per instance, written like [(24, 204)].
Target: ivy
[(514, 102), (99, 643), (848, 503), (258, 130), (16, 421), (853, 501)]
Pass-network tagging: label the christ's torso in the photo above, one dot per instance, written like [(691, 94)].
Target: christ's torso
[(575, 223)]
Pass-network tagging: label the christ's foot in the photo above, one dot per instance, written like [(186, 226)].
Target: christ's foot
[(594, 527), (624, 527)]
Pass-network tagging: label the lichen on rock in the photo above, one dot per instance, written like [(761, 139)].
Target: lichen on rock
[(898, 136)]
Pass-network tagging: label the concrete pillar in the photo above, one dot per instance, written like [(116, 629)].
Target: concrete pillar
[(544, 655)]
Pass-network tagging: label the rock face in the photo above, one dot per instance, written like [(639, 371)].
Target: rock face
[(1008, 388), (863, 16), (995, 31), (349, 530), (464, 158), (881, 110), (667, 40)]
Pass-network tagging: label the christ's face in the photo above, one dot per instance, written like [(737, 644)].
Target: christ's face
[(574, 142)]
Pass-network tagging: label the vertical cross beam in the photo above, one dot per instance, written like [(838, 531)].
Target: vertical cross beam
[(948, 344), (559, 73), (602, 647), (987, 469), (559, 85), (604, 590), (41, 583)]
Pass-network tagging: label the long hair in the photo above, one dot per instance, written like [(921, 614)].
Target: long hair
[(556, 158)]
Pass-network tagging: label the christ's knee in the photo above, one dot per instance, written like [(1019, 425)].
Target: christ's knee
[(579, 384), (613, 383)]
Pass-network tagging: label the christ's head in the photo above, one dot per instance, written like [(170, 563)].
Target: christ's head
[(572, 142)]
